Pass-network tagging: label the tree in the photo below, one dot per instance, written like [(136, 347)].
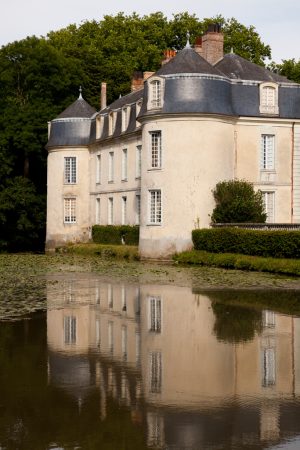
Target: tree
[(40, 77), (237, 202), (289, 68)]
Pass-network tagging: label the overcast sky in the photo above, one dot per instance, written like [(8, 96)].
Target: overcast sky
[(277, 21)]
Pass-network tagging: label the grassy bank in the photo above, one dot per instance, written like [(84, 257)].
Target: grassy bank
[(128, 252), (240, 262)]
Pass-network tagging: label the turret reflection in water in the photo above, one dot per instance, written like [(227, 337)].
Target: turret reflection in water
[(168, 355)]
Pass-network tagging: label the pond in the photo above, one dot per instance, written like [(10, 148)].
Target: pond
[(102, 354)]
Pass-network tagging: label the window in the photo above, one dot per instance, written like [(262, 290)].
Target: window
[(124, 299), (137, 209), (111, 167), (124, 210), (111, 337), (155, 214), (98, 169), (70, 170), (99, 126), (137, 348), (268, 319), (269, 200), (138, 161), (124, 164), (110, 296), (156, 94), (267, 159), (112, 122), (70, 330), (269, 98), (98, 212), (155, 144), (70, 210), (155, 314), (155, 372), (124, 342), (268, 367), (98, 332), (138, 109), (110, 211), (125, 118)]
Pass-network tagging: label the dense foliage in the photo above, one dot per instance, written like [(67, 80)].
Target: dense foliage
[(40, 77), (237, 202), (277, 244), (113, 234)]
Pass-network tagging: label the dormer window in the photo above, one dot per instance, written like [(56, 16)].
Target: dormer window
[(125, 117), (138, 109), (268, 98), (112, 122), (156, 87), (99, 126)]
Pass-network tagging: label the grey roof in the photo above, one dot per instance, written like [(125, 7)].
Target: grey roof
[(127, 99), (80, 109), (236, 67), (188, 61)]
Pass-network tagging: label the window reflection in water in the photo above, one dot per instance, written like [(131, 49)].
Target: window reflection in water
[(157, 347)]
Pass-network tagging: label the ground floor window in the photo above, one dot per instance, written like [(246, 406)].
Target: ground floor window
[(70, 210), (155, 212), (269, 202), (137, 208), (124, 210), (110, 211)]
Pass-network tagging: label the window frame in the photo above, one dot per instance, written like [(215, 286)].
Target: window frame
[(70, 179), (111, 168), (124, 211), (264, 108), (68, 210), (158, 208), (137, 209), (138, 161), (155, 151), (125, 117), (155, 101), (266, 194), (267, 153), (124, 168), (98, 168), (110, 211)]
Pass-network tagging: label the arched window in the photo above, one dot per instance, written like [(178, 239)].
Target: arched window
[(156, 88), (269, 98)]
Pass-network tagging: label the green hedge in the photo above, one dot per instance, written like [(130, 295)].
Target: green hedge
[(240, 262), (275, 244), (112, 234)]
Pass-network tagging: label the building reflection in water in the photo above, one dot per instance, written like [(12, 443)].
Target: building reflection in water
[(155, 350)]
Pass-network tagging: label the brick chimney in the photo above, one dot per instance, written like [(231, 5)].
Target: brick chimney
[(198, 46), (168, 55), (137, 81), (212, 44), (103, 96)]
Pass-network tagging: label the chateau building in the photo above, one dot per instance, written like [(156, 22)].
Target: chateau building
[(153, 156)]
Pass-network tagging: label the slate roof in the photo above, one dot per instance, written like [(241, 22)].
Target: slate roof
[(188, 61), (79, 109), (236, 67), (127, 99)]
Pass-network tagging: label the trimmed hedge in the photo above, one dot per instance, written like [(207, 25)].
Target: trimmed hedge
[(275, 244), (113, 234), (240, 262)]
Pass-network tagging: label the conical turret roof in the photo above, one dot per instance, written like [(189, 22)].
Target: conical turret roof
[(188, 61), (80, 109)]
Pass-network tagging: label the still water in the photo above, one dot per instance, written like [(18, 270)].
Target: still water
[(122, 366)]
